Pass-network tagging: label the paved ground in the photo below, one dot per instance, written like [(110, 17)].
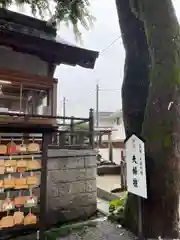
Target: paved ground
[(102, 231), (108, 182), (103, 206)]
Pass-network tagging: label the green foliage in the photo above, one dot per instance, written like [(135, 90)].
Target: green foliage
[(69, 11), (116, 208), (118, 203)]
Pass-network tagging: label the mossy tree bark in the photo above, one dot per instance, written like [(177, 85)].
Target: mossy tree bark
[(161, 123), (161, 127), (136, 70), (135, 83)]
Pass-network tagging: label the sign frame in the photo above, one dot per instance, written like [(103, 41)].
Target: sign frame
[(135, 155), (136, 166)]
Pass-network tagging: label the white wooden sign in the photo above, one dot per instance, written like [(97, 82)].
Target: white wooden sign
[(136, 168)]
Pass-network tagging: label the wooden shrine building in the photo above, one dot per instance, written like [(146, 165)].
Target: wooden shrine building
[(30, 50)]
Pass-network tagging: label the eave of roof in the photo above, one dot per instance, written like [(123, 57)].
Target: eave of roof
[(18, 18), (47, 46)]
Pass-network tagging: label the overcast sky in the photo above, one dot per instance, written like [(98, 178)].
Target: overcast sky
[(78, 84)]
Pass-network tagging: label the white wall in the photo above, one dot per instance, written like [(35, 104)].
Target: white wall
[(119, 134), (105, 122)]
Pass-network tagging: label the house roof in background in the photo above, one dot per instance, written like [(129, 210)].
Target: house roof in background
[(103, 114), (117, 114), (109, 115)]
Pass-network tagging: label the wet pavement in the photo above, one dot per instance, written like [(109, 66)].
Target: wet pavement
[(100, 229), (108, 182), (104, 230)]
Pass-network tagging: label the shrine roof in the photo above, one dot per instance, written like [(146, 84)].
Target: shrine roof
[(30, 35)]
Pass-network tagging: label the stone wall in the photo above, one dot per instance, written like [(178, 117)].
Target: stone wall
[(71, 184)]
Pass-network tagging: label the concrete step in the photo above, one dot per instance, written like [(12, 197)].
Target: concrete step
[(108, 182), (105, 184), (106, 195), (108, 170), (103, 206)]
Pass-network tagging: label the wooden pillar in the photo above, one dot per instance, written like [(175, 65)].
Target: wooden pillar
[(53, 107), (91, 128), (72, 131), (54, 99), (110, 147), (100, 140)]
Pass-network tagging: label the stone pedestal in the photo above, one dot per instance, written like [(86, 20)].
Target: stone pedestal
[(71, 185)]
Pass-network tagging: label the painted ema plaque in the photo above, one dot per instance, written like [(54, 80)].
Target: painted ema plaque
[(136, 168)]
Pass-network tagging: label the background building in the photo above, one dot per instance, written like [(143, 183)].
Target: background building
[(111, 135)]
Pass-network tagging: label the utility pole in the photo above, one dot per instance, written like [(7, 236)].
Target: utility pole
[(97, 105), (64, 109), (97, 114)]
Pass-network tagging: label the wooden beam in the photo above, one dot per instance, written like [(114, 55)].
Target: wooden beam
[(25, 78), (10, 97), (27, 85)]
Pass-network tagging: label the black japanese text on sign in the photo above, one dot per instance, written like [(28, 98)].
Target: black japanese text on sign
[(135, 171)]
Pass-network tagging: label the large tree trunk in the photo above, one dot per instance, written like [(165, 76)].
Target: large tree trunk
[(161, 125), (136, 70), (135, 85)]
